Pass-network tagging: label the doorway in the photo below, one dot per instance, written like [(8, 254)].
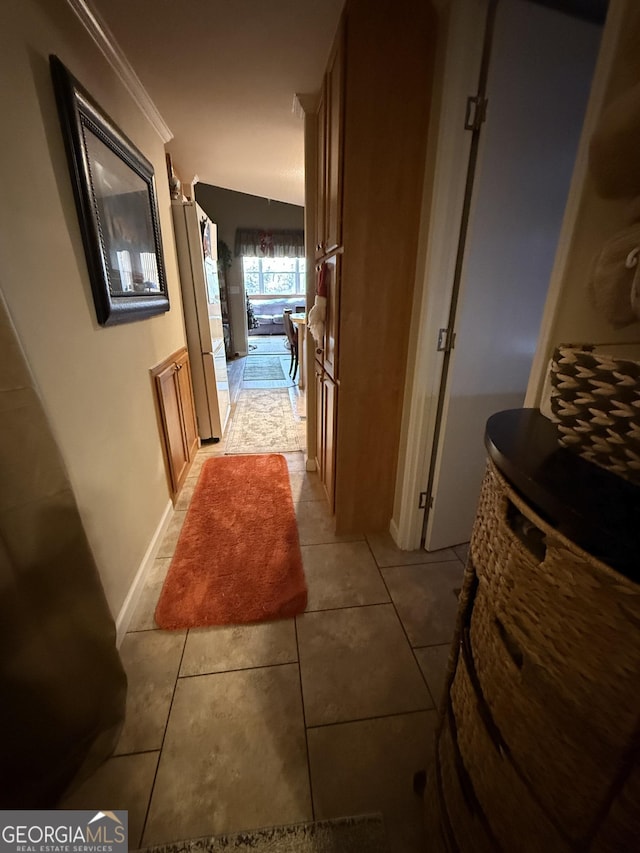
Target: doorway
[(267, 389), (538, 65)]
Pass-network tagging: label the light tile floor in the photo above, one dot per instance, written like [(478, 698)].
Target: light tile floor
[(325, 715)]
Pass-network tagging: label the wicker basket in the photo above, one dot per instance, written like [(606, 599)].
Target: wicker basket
[(556, 647), (538, 725), (578, 620), (517, 819), (595, 399), (434, 814), (619, 830), (466, 822)]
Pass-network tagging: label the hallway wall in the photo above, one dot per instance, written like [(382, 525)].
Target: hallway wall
[(94, 381), (231, 210)]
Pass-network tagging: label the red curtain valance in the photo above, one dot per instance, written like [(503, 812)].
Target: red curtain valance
[(256, 243)]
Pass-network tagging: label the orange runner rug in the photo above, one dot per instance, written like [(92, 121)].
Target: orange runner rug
[(238, 556)]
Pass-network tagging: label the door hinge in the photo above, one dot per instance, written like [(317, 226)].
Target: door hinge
[(422, 503), (446, 340), (476, 112)]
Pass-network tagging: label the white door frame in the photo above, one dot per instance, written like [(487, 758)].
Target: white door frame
[(457, 70), (457, 74)]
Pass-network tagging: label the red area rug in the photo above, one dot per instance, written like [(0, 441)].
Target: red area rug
[(238, 556)]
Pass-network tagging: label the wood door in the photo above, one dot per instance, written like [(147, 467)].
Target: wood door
[(334, 108)]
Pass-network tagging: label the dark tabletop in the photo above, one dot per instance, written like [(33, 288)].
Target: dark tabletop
[(594, 508)]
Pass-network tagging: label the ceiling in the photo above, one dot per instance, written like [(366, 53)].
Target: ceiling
[(223, 74)]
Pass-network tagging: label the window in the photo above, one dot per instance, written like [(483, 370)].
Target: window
[(273, 276), (124, 267), (143, 278), (149, 270)]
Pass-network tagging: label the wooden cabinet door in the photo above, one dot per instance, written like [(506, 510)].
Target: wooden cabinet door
[(326, 424), (333, 181), (185, 394), (319, 420), (176, 414), (321, 186), (329, 423), (169, 399), (332, 318)]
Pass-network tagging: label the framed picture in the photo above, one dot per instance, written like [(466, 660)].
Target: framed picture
[(117, 208)]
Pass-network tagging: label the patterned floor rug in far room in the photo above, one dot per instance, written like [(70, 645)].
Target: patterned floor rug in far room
[(238, 556), (263, 368), (263, 422)]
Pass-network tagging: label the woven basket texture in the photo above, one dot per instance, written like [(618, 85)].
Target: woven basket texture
[(579, 619), (517, 820), (463, 811), (619, 830), (552, 740), (440, 833), (556, 645), (544, 693), (596, 401), (434, 813)]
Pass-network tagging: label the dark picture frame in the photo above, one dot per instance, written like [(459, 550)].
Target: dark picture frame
[(115, 194)]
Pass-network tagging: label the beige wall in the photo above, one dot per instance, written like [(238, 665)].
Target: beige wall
[(231, 210), (94, 381)]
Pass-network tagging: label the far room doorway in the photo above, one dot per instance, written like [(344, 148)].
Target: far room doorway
[(271, 371), (264, 276)]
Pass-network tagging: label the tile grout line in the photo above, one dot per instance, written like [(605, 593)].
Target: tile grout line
[(404, 630), (369, 719), (237, 669), (164, 735), (350, 607), (304, 722), (424, 563), (135, 752)]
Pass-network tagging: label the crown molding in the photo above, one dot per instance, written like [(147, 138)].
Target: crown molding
[(115, 56), (305, 103)]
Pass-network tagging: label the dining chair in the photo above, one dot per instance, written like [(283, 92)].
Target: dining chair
[(291, 332)]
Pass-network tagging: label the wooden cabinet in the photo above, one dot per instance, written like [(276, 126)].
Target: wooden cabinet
[(319, 425), (372, 130), (329, 418), (329, 154), (176, 415), (326, 419), (328, 194), (320, 193), (328, 351), (333, 144)]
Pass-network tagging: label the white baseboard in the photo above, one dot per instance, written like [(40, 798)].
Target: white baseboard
[(135, 590), (309, 464), (395, 532)]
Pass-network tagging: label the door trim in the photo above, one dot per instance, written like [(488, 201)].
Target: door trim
[(447, 156), (457, 74)]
